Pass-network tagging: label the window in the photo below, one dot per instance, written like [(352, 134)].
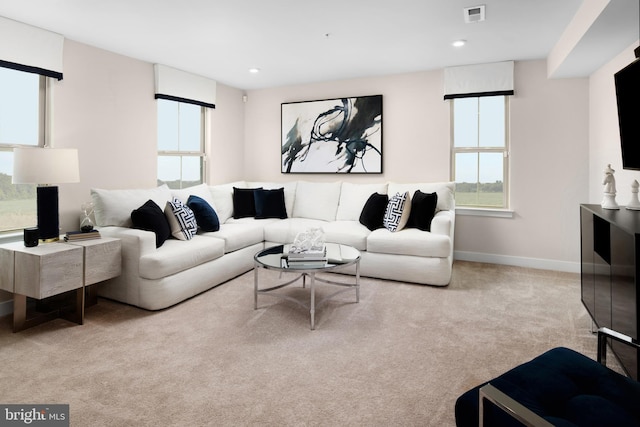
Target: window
[(480, 152), (180, 144), (22, 123)]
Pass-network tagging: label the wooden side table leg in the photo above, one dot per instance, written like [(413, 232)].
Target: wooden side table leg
[(19, 312), (80, 294), (20, 319), (91, 295), (76, 313)]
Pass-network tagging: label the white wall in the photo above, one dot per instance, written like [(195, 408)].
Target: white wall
[(604, 136), (549, 155), (105, 107), (226, 154), (415, 127)]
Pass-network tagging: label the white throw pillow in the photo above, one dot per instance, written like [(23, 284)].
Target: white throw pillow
[(181, 220), (353, 197), (113, 207), (398, 211), (316, 200)]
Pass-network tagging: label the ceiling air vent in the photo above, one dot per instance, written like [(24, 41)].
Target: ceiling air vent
[(474, 14)]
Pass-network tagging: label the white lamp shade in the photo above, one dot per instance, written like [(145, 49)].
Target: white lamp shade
[(45, 165)]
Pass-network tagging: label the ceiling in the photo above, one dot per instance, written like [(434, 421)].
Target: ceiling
[(302, 41)]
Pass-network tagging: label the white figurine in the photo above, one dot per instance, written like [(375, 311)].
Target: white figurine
[(609, 200), (634, 204)]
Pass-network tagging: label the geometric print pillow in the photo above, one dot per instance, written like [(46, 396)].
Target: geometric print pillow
[(397, 212), (181, 219)]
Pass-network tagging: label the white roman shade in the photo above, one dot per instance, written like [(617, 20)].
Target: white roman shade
[(478, 80), (30, 49), (177, 85)]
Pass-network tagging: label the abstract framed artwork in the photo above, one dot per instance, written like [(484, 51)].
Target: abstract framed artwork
[(341, 135)]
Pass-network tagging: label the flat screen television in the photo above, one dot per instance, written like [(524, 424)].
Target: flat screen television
[(627, 82)]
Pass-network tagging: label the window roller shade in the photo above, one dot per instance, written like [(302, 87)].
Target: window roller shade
[(479, 80), (30, 49), (177, 85)]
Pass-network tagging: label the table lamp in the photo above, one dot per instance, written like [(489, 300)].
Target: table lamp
[(46, 166)]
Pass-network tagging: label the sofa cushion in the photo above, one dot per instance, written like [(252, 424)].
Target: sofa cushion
[(350, 233), (372, 215), (270, 203), (150, 217), (179, 255), (285, 230), (240, 234), (423, 208), (409, 241), (181, 219), (445, 190), (222, 196), (353, 198), (244, 204), (200, 190), (397, 213), (206, 216), (113, 207), (317, 200)]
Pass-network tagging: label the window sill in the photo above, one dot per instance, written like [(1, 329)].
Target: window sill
[(488, 212), (14, 236)]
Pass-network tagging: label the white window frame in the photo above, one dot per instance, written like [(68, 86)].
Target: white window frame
[(186, 153), (485, 210), (44, 88)]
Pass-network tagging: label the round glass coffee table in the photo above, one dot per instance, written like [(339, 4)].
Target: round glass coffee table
[(276, 258)]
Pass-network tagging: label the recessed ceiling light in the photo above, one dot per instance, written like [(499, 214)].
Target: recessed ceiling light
[(459, 43), (254, 70)]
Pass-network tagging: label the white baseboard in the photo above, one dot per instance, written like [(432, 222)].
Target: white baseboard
[(542, 264), (6, 307)]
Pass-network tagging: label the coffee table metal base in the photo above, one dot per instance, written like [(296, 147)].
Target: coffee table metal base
[(312, 289)]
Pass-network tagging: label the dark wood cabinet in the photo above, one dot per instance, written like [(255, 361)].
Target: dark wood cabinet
[(610, 243)]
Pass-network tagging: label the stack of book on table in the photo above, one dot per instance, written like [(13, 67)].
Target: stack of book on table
[(73, 236), (307, 259)]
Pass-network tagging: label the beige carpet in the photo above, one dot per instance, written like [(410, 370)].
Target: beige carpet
[(399, 357)]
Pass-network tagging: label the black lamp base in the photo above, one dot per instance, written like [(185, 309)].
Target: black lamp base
[(48, 219)]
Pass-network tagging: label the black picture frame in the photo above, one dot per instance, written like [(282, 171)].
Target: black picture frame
[(339, 135)]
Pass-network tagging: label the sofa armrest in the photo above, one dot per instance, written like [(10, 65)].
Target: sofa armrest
[(143, 241), (508, 405), (606, 333), (443, 223)]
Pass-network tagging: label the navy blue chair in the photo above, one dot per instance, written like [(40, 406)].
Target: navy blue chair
[(558, 388)]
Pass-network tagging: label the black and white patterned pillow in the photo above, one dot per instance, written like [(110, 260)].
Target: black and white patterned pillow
[(181, 219), (397, 213)]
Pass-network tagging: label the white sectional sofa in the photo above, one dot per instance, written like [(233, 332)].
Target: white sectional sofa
[(154, 278)]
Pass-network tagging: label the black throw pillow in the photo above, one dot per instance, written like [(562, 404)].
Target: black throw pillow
[(372, 214), (150, 217), (243, 202), (206, 216), (423, 209), (270, 203)]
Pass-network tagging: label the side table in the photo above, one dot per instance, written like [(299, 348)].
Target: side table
[(52, 269)]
